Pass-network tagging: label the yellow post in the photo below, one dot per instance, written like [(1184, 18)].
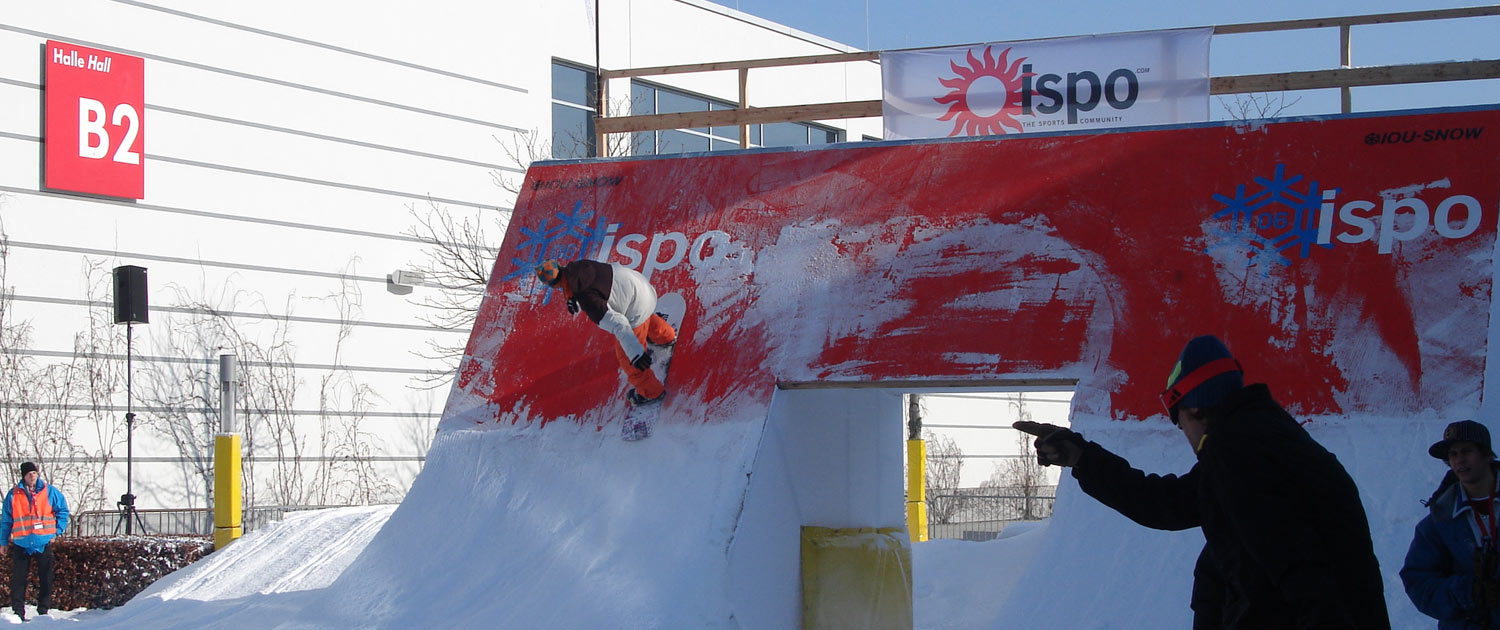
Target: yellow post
[(916, 490), (227, 490)]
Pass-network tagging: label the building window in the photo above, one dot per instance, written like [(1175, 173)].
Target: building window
[(573, 98), (650, 98)]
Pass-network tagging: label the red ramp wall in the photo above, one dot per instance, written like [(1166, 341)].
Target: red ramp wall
[(1348, 261)]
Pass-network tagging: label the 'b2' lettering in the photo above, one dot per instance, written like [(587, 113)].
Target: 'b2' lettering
[(93, 137)]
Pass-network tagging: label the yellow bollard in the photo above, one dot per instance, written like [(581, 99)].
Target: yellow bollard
[(227, 490), (916, 490)]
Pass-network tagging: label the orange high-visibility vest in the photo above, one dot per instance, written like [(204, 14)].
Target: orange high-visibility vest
[(33, 514)]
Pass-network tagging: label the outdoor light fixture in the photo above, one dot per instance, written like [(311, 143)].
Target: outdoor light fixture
[(402, 281)]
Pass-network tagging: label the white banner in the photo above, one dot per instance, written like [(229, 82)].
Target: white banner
[(1070, 83)]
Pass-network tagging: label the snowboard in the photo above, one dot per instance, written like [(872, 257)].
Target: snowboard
[(637, 422)]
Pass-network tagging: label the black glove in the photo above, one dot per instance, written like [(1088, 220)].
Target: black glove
[(643, 362), (1054, 444), (572, 307)]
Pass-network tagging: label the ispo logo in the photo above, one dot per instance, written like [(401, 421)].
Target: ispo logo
[(1120, 89), (665, 250), (583, 233), (1288, 213), (1357, 224), (1022, 91)]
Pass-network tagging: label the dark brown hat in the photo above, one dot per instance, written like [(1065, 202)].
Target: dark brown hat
[(1462, 431)]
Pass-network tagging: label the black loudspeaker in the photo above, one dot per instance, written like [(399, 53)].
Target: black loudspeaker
[(130, 295)]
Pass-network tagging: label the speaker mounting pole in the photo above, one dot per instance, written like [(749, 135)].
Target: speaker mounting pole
[(128, 516), (130, 309)]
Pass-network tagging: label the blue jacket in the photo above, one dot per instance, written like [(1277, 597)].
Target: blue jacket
[(1439, 569), (34, 543)]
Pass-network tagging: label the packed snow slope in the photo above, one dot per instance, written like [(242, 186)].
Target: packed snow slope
[(1348, 268), (259, 581)]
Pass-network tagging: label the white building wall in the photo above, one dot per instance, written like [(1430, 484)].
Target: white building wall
[(287, 144)]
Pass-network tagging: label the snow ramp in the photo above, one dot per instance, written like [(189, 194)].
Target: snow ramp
[(1347, 260)]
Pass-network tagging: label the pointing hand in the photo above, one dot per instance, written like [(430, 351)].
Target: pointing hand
[(1054, 444)]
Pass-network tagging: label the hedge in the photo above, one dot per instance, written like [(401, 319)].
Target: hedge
[(104, 572)]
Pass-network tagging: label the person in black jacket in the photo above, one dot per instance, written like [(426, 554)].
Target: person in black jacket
[(1287, 543)]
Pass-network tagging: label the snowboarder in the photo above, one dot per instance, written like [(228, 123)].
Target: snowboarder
[(1450, 572), (621, 302), (1287, 543), (34, 513)]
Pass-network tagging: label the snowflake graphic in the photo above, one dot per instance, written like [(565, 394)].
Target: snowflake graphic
[(1277, 217), (574, 234)]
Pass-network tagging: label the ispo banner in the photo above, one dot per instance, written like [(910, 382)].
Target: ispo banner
[(1346, 261), (1096, 82)]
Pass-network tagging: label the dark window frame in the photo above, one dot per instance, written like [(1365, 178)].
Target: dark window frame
[(569, 150), (719, 138)]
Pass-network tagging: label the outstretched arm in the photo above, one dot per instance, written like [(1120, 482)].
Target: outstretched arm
[(615, 324), (1157, 501), (1169, 502)]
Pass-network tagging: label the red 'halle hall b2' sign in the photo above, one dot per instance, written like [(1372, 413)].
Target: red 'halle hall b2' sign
[(95, 131)]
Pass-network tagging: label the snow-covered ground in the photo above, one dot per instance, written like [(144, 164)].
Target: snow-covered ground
[(292, 575), (266, 574), (270, 573)]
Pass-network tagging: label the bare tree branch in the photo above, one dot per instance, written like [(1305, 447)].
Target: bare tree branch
[(1257, 105), (457, 262)]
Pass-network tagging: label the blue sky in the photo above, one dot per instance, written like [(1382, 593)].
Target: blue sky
[(894, 24)]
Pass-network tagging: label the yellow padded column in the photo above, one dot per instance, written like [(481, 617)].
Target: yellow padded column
[(916, 490), (228, 490)]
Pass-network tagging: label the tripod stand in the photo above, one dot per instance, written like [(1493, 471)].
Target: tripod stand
[(128, 515)]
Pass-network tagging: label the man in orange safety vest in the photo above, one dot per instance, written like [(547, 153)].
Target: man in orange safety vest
[(34, 513)]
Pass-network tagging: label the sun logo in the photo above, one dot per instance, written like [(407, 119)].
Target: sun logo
[(986, 95)]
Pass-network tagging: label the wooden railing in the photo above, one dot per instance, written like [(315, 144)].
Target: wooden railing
[(1344, 77)]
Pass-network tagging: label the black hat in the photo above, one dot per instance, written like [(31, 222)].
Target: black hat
[(27, 467), (1204, 375), (1462, 431)]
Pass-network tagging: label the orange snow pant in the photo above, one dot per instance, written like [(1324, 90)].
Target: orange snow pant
[(656, 330)]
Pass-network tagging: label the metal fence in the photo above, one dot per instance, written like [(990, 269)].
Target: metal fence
[(982, 513), (177, 521)]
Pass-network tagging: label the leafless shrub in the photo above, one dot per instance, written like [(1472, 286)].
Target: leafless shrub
[(1257, 105)]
